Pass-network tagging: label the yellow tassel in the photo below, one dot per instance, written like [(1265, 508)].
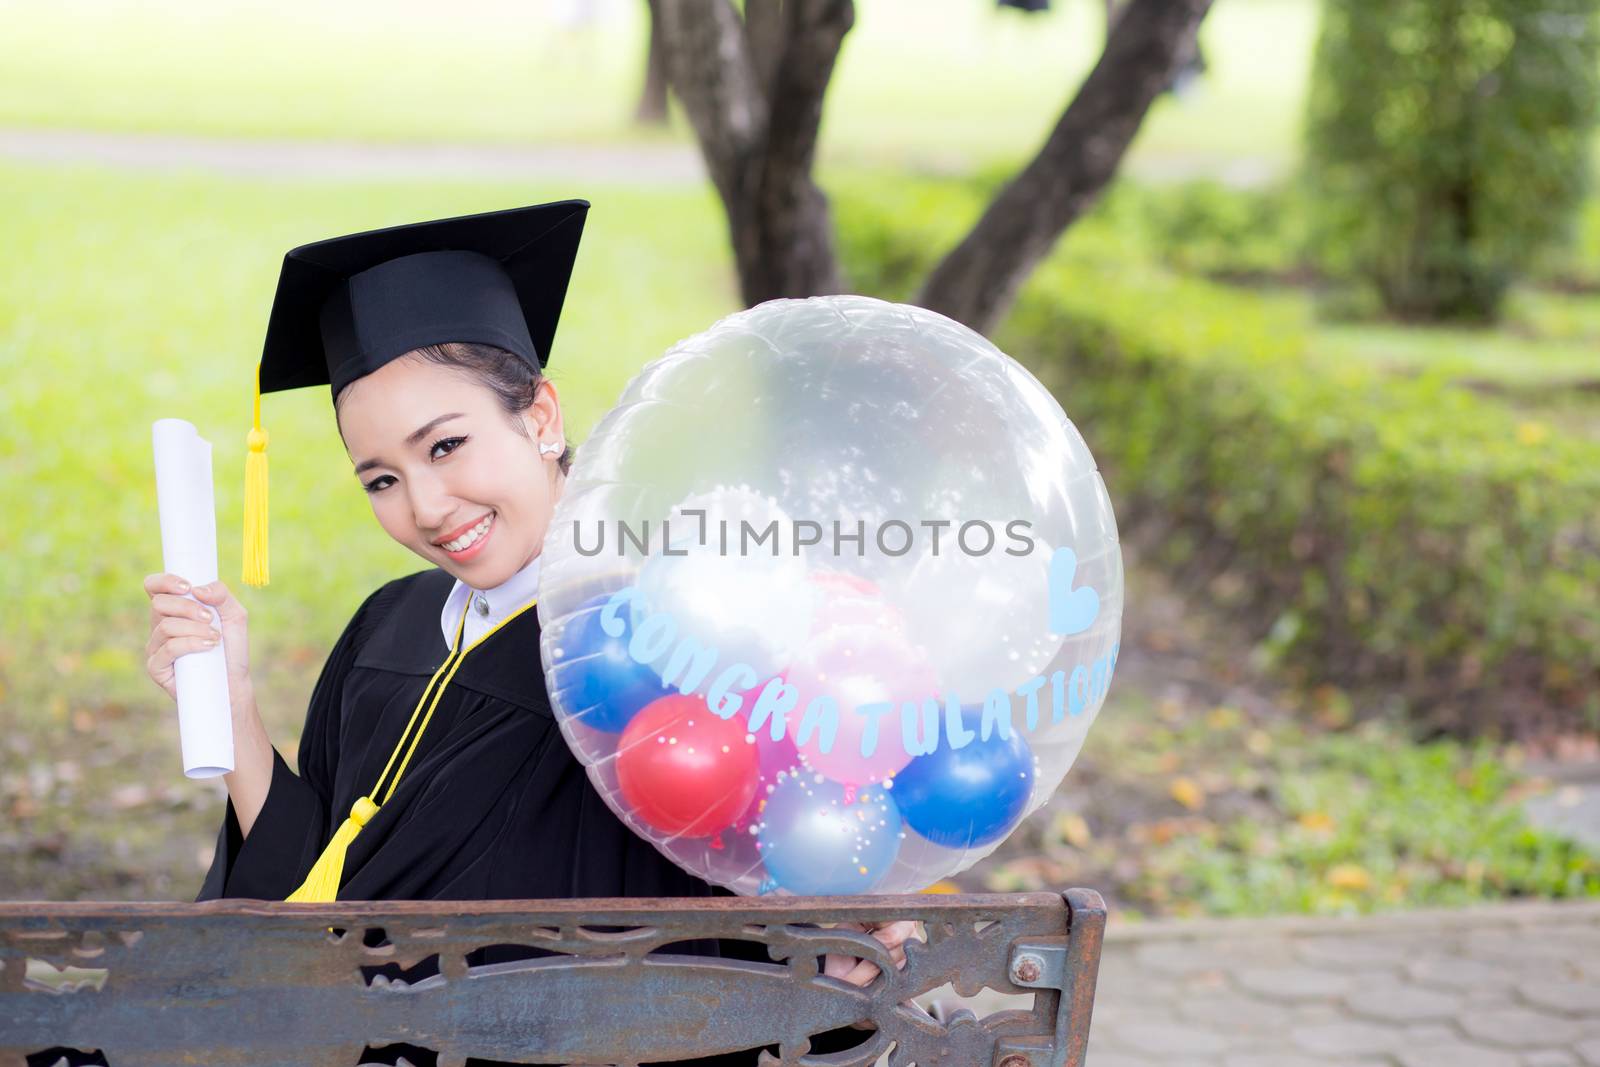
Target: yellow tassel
[(322, 884), (255, 499)]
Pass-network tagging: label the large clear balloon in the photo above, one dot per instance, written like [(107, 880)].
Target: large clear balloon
[(831, 599)]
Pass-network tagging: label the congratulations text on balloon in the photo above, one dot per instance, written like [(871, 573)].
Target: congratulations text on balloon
[(687, 664)]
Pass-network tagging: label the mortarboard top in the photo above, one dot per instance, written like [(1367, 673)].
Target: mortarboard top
[(348, 305)]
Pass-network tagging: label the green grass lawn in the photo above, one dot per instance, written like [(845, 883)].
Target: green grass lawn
[(127, 298), (1542, 361), (948, 83), (1548, 342)]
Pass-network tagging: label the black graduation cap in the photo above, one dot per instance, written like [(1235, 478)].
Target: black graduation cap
[(348, 305)]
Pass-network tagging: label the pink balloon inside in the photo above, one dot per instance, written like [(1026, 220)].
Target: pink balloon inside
[(850, 600), (856, 666)]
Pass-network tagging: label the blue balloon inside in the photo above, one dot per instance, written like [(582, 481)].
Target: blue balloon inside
[(815, 843), (595, 677), (968, 796)]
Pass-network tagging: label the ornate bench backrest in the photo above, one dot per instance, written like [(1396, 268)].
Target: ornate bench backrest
[(238, 982)]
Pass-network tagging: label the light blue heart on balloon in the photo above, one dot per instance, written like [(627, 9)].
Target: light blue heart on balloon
[(1072, 611)]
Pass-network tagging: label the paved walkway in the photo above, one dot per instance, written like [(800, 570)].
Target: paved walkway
[(1572, 806), (631, 164), (626, 163), (1510, 985)]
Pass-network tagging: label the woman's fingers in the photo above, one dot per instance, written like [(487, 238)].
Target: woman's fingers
[(895, 934), (160, 586), (171, 626), (159, 662), (860, 972), (180, 606), (865, 971), (169, 650), (235, 629), (218, 596), (178, 626), (166, 601), (165, 583)]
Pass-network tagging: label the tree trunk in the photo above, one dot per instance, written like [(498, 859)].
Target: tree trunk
[(753, 92), (977, 282), (652, 109)]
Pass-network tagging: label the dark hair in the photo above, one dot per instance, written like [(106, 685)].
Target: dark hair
[(510, 377)]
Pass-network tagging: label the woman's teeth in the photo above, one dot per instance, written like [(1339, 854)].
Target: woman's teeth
[(469, 538)]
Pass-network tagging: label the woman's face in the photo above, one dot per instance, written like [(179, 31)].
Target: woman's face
[(447, 472)]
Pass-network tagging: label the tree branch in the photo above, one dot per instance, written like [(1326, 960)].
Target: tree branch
[(753, 92), (977, 282), (652, 106), (797, 256), (815, 31), (709, 67), (764, 33)]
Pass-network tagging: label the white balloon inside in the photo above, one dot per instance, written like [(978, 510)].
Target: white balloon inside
[(1003, 638), (733, 578)]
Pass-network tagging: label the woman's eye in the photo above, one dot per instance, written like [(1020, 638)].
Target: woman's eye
[(453, 442), (377, 485)]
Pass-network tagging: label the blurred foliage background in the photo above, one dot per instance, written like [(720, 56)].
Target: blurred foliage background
[(1448, 143), (1363, 545)]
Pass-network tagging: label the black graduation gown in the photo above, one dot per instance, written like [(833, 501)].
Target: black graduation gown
[(492, 806)]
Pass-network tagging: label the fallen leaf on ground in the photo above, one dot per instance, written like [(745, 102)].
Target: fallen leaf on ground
[(1186, 792), (1316, 821), (1223, 718), (1350, 876), (1074, 830)]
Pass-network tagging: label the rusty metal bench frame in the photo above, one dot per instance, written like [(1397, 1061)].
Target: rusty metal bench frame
[(246, 982)]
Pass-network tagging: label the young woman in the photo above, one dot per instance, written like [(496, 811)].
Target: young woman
[(430, 764)]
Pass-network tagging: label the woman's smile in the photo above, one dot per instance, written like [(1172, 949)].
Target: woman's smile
[(466, 545)]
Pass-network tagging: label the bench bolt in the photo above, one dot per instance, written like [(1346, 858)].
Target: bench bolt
[(1027, 968)]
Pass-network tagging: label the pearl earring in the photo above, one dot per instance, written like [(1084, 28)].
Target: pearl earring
[(545, 450)]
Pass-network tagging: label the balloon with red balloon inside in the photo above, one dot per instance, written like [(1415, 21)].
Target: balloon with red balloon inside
[(831, 599)]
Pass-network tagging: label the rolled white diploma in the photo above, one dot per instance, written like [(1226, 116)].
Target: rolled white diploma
[(189, 550)]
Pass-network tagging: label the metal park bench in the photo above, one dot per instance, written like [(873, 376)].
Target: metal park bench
[(247, 982)]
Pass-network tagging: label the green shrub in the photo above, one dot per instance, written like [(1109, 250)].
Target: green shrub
[(1403, 532), (1206, 227), (892, 232), (1448, 142), (1367, 822), (1575, 263)]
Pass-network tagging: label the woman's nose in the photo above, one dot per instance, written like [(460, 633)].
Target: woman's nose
[(432, 506)]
